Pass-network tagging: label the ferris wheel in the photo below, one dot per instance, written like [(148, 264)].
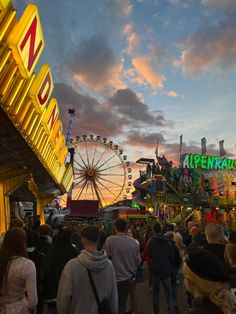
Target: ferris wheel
[(101, 170)]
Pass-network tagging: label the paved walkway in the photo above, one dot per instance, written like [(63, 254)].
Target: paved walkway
[(144, 297)]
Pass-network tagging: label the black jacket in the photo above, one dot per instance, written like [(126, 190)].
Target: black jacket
[(162, 254), (217, 249), (54, 263), (206, 307), (176, 259)]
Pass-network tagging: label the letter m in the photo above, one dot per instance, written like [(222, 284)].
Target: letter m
[(31, 37)]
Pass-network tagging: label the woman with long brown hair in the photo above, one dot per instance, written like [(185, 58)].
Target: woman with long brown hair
[(17, 275)]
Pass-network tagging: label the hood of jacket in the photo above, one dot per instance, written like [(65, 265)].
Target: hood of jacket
[(93, 261), (160, 238)]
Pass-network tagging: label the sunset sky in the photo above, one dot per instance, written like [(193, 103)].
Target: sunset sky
[(138, 70)]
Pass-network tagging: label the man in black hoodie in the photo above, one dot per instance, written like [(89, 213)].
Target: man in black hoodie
[(162, 255)]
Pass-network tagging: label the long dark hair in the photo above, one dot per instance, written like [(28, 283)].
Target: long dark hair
[(14, 245)]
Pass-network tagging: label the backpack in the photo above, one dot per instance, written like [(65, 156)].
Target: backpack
[(103, 307)]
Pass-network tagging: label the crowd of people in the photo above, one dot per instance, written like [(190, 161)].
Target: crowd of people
[(93, 268)]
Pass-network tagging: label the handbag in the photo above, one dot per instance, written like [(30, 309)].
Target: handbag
[(103, 307)]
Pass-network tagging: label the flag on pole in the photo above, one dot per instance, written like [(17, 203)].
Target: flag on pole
[(221, 148), (180, 142), (156, 151), (203, 144)]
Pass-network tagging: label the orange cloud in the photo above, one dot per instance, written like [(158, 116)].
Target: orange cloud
[(133, 39), (172, 93), (110, 79), (143, 67)]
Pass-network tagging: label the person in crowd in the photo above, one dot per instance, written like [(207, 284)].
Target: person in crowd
[(37, 223), (187, 238), (132, 291), (215, 240), (162, 255), (175, 264), (17, 275), (75, 292), (75, 237), (198, 238), (177, 239), (45, 239), (206, 279), (230, 258), (124, 253), (15, 222), (61, 252), (145, 255), (37, 257), (102, 238)]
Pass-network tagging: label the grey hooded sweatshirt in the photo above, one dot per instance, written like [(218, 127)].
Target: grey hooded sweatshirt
[(75, 294)]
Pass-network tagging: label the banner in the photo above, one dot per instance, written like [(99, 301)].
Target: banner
[(180, 142), (156, 151), (221, 148), (203, 144)]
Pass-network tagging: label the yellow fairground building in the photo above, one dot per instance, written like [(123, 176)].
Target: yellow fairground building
[(32, 143)]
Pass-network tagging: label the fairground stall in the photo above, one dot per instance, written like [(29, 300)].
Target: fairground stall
[(203, 189)]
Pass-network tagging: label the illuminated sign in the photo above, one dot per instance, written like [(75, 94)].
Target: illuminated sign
[(26, 41), (4, 4), (208, 162), (25, 96)]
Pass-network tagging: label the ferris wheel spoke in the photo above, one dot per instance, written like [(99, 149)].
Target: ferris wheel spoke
[(111, 167), (86, 167), (109, 181), (82, 189), (92, 190), (79, 176), (95, 150), (101, 156), (113, 174), (101, 194), (87, 185), (81, 167), (87, 153), (97, 193), (106, 161), (105, 187)]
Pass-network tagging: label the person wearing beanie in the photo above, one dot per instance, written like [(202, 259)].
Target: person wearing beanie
[(76, 294), (206, 279)]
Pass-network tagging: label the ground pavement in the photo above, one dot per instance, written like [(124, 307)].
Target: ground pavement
[(144, 297)]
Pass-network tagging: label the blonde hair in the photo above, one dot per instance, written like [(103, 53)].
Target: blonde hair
[(214, 233), (217, 292)]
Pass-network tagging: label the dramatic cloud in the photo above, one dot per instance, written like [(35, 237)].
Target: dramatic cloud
[(220, 3), (132, 76), (92, 117), (96, 65), (172, 93), (213, 46), (128, 104), (147, 140), (133, 40), (144, 68)]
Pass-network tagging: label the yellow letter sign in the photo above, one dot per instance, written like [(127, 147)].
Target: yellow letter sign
[(26, 41)]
